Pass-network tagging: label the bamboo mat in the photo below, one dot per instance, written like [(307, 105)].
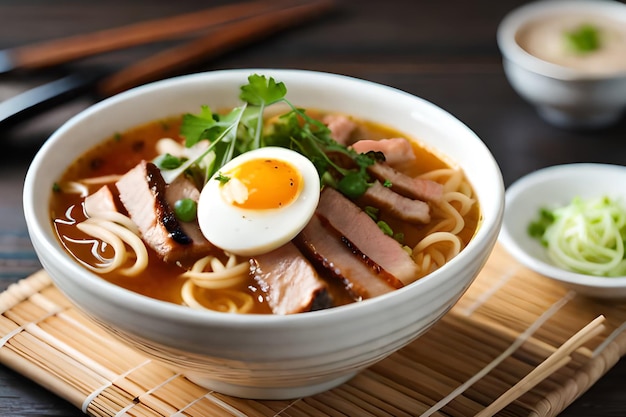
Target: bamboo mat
[(505, 326)]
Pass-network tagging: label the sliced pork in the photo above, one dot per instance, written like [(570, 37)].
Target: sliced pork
[(416, 188), (142, 191), (357, 226), (290, 281), (101, 201), (342, 260), (396, 205), (182, 187), (341, 127), (396, 150)]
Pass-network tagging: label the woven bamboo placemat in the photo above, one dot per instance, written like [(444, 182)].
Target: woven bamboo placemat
[(506, 326)]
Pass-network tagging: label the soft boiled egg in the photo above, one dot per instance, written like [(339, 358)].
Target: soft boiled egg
[(259, 201)]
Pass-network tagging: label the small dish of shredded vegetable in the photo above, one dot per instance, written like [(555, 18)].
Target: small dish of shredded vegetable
[(586, 235), (568, 223)]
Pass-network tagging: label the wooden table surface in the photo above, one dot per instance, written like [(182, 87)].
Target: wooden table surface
[(443, 51)]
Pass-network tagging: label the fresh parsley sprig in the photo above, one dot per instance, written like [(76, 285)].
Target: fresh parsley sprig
[(242, 130)]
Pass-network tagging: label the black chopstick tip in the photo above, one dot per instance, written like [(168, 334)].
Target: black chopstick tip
[(6, 62), (43, 97)]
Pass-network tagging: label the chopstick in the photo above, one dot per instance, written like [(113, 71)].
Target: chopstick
[(224, 38), (555, 361), (57, 51), (219, 41)]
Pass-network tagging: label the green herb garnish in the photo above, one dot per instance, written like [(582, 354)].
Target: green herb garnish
[(242, 130), (372, 212), (584, 39), (168, 161), (223, 179), (382, 225), (537, 228)]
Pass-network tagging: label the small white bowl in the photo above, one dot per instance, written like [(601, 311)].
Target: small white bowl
[(552, 187), (564, 96)]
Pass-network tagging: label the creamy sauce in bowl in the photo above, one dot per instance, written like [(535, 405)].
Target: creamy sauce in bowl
[(547, 39)]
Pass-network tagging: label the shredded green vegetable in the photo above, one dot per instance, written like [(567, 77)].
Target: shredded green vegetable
[(586, 236)]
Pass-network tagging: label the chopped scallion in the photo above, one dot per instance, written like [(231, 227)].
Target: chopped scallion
[(167, 161), (584, 39)]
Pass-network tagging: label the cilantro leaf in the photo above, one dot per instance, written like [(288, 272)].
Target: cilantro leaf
[(262, 91), (195, 126)]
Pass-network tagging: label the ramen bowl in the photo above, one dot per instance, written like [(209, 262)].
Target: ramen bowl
[(266, 356), (571, 88)]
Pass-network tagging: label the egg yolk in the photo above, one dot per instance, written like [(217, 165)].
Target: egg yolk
[(271, 183)]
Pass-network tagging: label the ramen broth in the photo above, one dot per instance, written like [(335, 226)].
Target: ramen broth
[(118, 154)]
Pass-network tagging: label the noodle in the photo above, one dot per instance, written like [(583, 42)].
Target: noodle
[(106, 179), (456, 202), (463, 199), (131, 239), (116, 235), (119, 249), (220, 275), (436, 175), (74, 187), (225, 301), (439, 237), (81, 187), (452, 224), (218, 278), (119, 218)]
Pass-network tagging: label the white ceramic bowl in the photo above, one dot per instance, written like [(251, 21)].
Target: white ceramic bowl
[(553, 187), (563, 96), (266, 356)]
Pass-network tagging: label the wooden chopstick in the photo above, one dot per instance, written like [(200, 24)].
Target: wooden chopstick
[(554, 362), (220, 40), (58, 51)]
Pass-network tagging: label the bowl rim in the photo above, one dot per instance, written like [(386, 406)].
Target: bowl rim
[(481, 241), (520, 16), (540, 177)]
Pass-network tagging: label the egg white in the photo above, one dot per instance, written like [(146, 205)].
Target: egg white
[(250, 232)]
